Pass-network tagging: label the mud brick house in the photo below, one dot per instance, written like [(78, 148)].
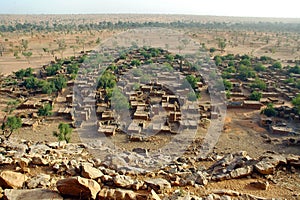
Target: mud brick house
[(252, 105)]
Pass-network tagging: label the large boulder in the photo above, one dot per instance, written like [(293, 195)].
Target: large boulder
[(12, 180), (158, 184), (35, 194), (267, 165), (78, 187)]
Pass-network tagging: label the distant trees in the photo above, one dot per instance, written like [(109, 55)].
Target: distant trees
[(64, 133), (295, 69), (10, 125)]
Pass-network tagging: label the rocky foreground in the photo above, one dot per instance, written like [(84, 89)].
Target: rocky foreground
[(68, 171)]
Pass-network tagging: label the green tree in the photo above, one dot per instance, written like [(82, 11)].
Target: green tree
[(227, 84), (119, 101), (269, 111), (61, 46), (218, 60), (45, 110), (260, 68), (277, 65), (222, 44), (72, 69), (258, 83), (192, 81), (27, 55), (256, 96), (60, 82), (192, 96), (24, 44), (64, 133), (48, 87), (31, 83), (107, 80), (295, 70), (24, 73), (135, 62), (10, 125), (296, 102)]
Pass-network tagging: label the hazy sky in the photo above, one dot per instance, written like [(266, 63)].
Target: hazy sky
[(255, 8)]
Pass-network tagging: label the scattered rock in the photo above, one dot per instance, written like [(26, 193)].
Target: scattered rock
[(90, 172), (78, 187), (158, 184), (38, 160), (262, 185), (123, 181), (12, 180), (35, 194), (242, 172), (201, 179), (40, 181)]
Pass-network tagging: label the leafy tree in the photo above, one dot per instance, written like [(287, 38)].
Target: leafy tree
[(72, 69), (11, 124), (218, 60), (295, 70), (24, 73), (212, 50), (119, 101), (192, 96), (227, 84), (269, 111), (64, 133), (27, 55), (24, 44), (61, 46), (135, 62), (31, 83), (245, 72), (260, 84), (256, 96), (246, 62), (48, 87), (222, 44), (260, 68), (276, 65), (192, 81), (60, 82), (296, 102), (107, 80), (45, 110), (11, 106), (52, 70)]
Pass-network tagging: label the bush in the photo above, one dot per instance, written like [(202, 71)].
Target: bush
[(64, 133), (269, 111), (45, 110), (256, 96)]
